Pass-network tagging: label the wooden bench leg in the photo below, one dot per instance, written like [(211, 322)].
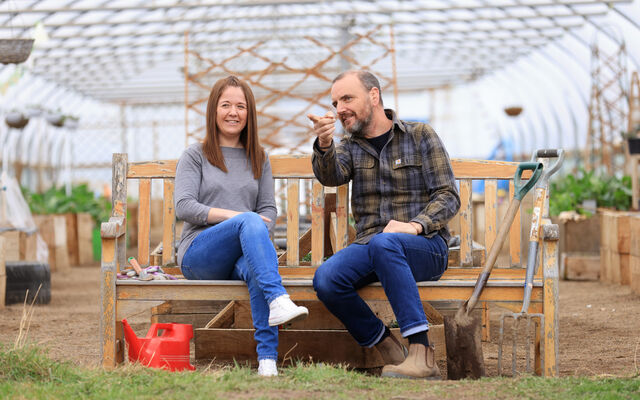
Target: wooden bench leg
[(551, 275), (486, 331)]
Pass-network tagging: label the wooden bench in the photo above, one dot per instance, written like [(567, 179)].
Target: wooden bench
[(504, 288)]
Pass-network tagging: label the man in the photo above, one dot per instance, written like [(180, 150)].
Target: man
[(403, 195)]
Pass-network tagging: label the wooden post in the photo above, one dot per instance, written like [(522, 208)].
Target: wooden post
[(551, 276), (466, 224), (113, 253)]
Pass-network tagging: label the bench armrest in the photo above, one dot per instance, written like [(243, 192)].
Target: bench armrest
[(113, 229)]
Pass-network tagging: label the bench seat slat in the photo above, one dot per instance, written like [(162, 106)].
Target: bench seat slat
[(500, 291)]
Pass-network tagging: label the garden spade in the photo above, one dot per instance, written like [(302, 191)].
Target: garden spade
[(540, 209), (462, 332)]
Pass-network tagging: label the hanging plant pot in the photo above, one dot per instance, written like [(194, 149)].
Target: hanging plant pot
[(16, 120), (55, 119), (15, 51), (513, 111), (634, 145)]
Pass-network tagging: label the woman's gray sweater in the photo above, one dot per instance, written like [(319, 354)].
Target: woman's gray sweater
[(200, 186)]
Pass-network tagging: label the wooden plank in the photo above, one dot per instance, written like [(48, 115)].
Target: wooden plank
[(551, 322), (623, 231), (452, 273), (28, 246), (327, 345), (581, 266), (152, 169), (515, 232), (466, 224), (507, 291), (119, 204), (224, 319), (72, 238), (144, 221), (490, 212), (61, 253), (634, 235), (317, 224), (3, 273), (342, 216), (299, 166), (11, 245), (293, 221), (291, 166), (168, 224), (634, 268), (625, 270), (85, 238)]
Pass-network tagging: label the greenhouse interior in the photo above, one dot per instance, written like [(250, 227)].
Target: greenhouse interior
[(100, 99)]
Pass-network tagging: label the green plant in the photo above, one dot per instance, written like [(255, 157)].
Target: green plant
[(568, 192), (56, 201)]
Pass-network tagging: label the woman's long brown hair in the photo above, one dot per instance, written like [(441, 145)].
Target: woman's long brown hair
[(248, 136)]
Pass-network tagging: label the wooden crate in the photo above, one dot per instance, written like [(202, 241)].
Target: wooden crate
[(320, 336), (53, 229), (324, 345), (616, 246), (3, 273), (11, 245), (634, 260), (580, 266), (85, 226), (71, 232)]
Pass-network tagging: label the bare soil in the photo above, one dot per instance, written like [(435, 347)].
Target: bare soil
[(599, 325)]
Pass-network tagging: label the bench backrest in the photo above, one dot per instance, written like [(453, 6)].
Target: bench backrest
[(292, 172)]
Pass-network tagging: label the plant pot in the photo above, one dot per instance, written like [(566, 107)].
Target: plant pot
[(634, 145), (14, 51), (16, 120), (513, 111)]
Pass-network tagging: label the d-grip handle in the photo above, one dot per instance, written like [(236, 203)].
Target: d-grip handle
[(522, 189), (548, 153), (157, 327)]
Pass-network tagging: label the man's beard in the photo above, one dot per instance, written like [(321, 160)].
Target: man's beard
[(359, 127)]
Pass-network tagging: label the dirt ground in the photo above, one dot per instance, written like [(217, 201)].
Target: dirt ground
[(599, 325)]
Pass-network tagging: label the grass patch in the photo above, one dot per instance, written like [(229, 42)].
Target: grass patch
[(28, 372)]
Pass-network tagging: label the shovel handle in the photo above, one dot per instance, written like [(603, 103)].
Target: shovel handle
[(520, 188), (514, 205)]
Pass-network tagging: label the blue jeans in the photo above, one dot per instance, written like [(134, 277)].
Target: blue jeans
[(398, 261), (240, 249)]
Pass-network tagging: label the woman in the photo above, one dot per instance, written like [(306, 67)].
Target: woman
[(224, 195)]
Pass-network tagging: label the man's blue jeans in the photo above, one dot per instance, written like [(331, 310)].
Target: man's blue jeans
[(240, 249), (398, 261)]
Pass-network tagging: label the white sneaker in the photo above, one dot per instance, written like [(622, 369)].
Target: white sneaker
[(267, 367), (282, 310)]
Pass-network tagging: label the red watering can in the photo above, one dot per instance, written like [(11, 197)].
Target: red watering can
[(170, 350)]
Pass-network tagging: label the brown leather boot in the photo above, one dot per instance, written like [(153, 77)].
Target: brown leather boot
[(391, 350), (420, 364)]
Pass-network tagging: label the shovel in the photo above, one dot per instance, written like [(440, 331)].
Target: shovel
[(462, 332), (142, 274)]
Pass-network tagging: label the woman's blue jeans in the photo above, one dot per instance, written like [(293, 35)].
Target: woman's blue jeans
[(398, 261), (240, 249)]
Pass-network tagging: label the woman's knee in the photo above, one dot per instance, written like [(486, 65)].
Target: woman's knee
[(251, 220)]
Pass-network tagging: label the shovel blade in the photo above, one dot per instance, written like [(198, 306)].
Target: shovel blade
[(463, 338)]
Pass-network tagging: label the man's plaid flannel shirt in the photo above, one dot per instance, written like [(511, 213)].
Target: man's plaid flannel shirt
[(411, 179)]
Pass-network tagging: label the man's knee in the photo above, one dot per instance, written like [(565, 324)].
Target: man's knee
[(383, 243), (322, 282)]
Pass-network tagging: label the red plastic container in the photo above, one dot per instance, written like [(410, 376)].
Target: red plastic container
[(169, 350)]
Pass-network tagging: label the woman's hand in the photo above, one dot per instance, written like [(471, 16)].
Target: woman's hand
[(222, 214)]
